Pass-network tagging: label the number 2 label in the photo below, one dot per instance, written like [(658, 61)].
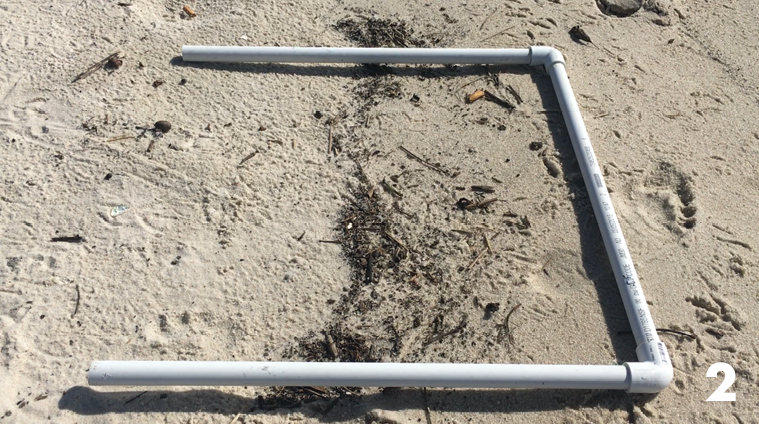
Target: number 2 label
[(719, 395)]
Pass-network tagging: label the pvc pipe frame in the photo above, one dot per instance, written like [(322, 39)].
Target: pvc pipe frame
[(652, 374)]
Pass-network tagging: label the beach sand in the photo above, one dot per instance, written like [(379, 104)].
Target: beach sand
[(292, 202)]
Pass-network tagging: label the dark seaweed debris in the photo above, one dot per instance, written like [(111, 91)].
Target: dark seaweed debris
[(372, 32)]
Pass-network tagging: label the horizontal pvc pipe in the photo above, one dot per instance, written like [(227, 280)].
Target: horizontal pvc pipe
[(181, 373), (355, 55), (652, 374)]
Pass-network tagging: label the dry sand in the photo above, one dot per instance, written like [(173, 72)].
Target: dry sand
[(219, 261)]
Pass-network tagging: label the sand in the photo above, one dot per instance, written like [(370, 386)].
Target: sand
[(214, 259)]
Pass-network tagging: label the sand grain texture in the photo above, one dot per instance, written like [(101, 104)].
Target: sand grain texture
[(245, 239)]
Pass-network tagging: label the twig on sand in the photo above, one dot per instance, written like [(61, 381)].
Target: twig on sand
[(504, 330), (247, 158), (69, 239), (390, 189), (95, 66), (395, 240), (497, 100), (439, 337), (666, 330), (150, 146), (132, 399), (78, 298), (497, 34), (487, 249), (514, 93), (482, 25), (422, 161), (477, 259), (426, 406), (122, 137)]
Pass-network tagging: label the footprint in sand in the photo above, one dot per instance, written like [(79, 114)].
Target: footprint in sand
[(716, 313), (675, 191)]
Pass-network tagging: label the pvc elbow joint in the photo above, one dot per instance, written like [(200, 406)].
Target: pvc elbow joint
[(546, 56), (653, 374)]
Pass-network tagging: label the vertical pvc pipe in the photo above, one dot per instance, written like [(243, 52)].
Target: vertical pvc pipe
[(654, 371)]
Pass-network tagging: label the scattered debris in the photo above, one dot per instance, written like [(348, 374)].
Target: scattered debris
[(461, 326), (478, 94), (466, 204), (390, 189), (150, 146), (158, 83), (183, 81), (95, 66), (579, 34), (497, 100), (188, 10), (162, 126), (87, 126), (516, 95), (536, 145), (487, 95), (118, 210), (69, 239), (114, 63), (247, 158), (108, 176), (483, 189), (372, 32), (332, 346), (491, 308)]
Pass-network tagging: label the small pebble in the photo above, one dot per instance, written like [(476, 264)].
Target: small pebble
[(536, 145), (621, 8), (162, 126)]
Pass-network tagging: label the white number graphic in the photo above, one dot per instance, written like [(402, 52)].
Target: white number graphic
[(719, 395)]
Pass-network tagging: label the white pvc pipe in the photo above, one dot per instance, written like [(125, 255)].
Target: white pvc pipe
[(167, 373), (652, 374), (354, 55)]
